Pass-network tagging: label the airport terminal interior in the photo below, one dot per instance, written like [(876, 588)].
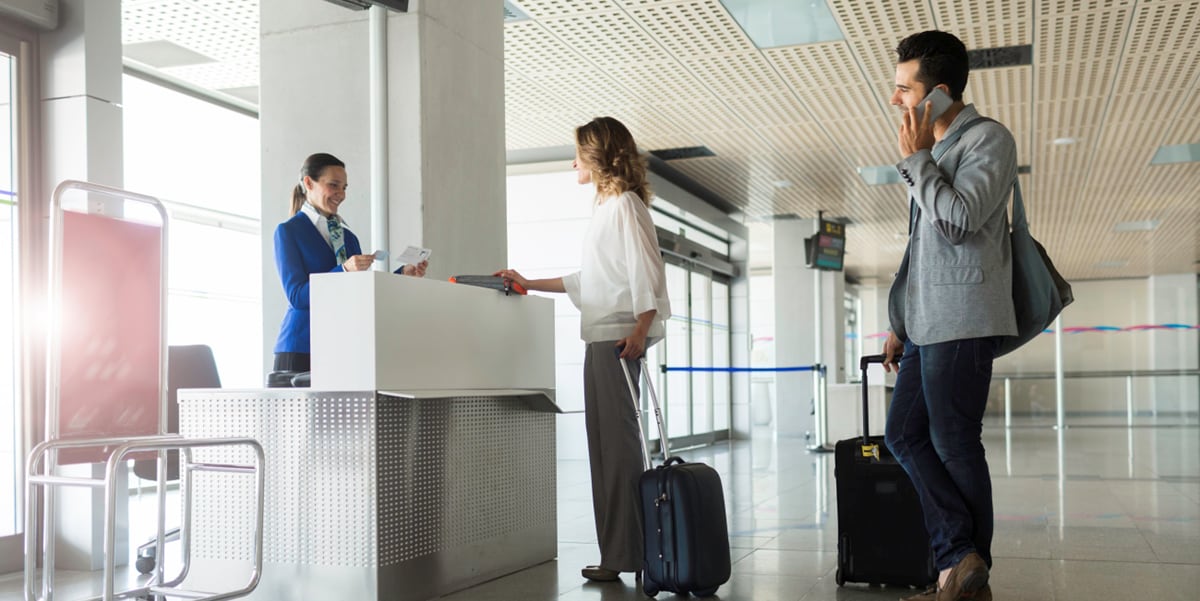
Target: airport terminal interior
[(437, 448)]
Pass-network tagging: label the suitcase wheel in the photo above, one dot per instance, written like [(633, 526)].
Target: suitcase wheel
[(708, 592), (649, 589), (837, 577), (145, 565)]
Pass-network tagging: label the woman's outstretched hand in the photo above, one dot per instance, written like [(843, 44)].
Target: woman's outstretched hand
[(416, 271), (511, 275)]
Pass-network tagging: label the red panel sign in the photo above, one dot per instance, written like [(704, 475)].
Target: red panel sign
[(109, 377)]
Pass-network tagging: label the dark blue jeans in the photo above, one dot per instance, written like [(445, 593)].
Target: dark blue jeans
[(933, 430)]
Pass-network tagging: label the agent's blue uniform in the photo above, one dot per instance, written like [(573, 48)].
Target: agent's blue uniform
[(299, 251)]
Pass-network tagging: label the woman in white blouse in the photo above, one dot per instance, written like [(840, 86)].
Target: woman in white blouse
[(621, 293)]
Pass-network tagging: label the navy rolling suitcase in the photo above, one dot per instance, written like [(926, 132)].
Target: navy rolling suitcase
[(686, 540), (881, 530)]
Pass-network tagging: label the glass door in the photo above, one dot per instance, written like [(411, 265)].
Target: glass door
[(14, 101), (9, 416), (700, 303), (696, 404), (677, 390)]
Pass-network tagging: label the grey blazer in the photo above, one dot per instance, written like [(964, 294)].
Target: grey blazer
[(959, 263)]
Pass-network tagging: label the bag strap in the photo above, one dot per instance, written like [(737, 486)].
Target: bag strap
[(1019, 221), (947, 143)]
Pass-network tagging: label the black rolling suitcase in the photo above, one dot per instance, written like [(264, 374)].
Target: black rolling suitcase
[(881, 530), (686, 540)]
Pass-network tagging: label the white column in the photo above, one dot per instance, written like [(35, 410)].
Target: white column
[(1173, 299), (81, 138), (794, 328), (833, 333), (445, 132)]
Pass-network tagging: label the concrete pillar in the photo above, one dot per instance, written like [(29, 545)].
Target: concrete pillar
[(1173, 299), (81, 139), (833, 332), (445, 136), (794, 328)]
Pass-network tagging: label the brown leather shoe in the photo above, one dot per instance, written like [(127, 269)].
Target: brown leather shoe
[(984, 594), (967, 578), (599, 574), (930, 594)]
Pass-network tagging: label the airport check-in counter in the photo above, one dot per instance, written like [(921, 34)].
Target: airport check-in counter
[(421, 461)]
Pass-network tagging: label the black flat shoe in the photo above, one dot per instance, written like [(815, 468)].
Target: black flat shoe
[(599, 574)]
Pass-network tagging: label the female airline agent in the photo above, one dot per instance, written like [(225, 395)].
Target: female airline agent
[(621, 293), (315, 240)]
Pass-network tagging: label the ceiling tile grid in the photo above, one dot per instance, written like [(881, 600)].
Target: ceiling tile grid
[(665, 81), (873, 29), (1185, 129), (1080, 36), (702, 116), (608, 38), (529, 48), (986, 24), (827, 79), (765, 110), (192, 26), (587, 87), (543, 9), (692, 29), (528, 97), (646, 123), (1003, 95)]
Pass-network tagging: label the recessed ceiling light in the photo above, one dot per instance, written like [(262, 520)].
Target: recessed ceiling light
[(775, 23), (1147, 225), (1176, 153), (878, 175), (1112, 264), (1064, 141), (781, 183)]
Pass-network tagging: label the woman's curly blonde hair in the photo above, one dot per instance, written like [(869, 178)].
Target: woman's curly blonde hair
[(608, 150)]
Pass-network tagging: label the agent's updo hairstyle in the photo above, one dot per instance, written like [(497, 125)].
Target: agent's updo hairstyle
[(313, 167), (607, 148)]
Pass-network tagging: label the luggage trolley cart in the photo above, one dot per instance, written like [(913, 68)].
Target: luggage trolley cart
[(128, 417)]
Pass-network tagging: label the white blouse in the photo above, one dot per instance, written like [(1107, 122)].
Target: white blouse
[(622, 273)]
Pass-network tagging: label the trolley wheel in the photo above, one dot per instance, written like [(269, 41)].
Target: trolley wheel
[(145, 565), (649, 589), (837, 577), (708, 592)]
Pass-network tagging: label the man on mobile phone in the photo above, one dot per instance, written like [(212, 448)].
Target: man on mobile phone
[(950, 304)]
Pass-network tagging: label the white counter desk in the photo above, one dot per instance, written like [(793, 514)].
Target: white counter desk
[(422, 460)]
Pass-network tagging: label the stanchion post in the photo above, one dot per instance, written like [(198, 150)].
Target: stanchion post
[(1129, 401), (1007, 403)]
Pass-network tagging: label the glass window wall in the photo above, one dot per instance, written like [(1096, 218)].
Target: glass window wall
[(9, 386), (203, 160)]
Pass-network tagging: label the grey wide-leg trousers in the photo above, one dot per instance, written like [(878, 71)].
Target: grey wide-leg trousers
[(615, 451)]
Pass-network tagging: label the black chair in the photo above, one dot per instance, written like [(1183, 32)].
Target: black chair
[(189, 366), (289, 379)]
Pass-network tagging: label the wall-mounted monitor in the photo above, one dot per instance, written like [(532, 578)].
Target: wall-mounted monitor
[(827, 249)]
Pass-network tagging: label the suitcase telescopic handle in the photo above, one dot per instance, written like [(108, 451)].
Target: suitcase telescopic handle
[(637, 411), (864, 362)]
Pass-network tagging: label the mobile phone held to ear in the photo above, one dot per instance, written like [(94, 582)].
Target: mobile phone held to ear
[(941, 101)]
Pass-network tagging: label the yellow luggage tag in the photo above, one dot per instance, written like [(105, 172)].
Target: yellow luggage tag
[(871, 450)]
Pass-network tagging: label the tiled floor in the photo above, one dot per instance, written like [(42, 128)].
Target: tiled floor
[(1098, 514)]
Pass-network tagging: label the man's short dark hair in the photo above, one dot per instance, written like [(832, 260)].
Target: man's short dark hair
[(943, 60)]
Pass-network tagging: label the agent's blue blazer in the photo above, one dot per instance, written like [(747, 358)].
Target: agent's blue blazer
[(299, 251)]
